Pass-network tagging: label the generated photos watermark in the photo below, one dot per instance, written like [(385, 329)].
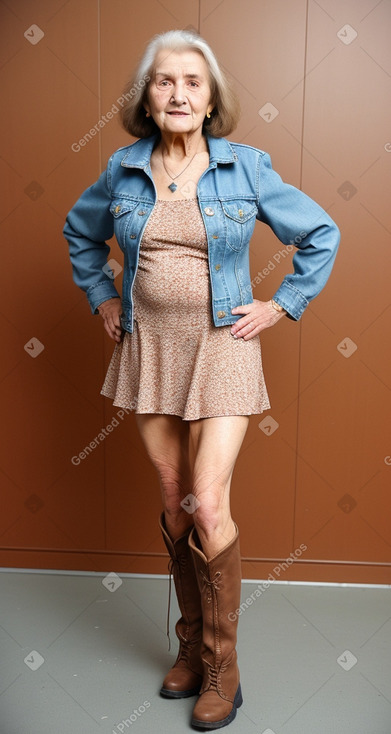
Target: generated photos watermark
[(115, 108), (134, 716), (277, 570), (103, 433)]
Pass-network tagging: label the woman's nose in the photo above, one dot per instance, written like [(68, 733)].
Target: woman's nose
[(178, 94)]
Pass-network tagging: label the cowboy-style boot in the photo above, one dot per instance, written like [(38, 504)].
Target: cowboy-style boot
[(185, 677), (219, 581)]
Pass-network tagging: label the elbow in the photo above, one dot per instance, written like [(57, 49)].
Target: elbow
[(331, 237), (336, 238), (336, 235), (67, 229)]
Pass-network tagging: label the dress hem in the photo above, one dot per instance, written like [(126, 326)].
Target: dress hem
[(184, 417)]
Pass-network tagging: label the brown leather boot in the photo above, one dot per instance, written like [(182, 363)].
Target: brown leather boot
[(219, 581), (185, 677)]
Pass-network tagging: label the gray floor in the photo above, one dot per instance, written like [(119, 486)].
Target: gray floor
[(78, 657)]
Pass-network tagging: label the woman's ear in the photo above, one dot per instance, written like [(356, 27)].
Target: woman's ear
[(145, 104)]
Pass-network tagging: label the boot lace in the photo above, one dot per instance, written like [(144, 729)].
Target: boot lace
[(184, 649), (212, 673), (211, 583)]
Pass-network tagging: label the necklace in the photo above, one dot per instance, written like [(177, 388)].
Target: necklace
[(173, 187)]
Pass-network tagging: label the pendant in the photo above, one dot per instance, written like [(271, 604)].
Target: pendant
[(173, 187)]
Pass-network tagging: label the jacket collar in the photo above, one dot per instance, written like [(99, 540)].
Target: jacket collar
[(139, 153)]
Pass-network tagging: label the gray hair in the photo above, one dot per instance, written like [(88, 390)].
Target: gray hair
[(225, 115)]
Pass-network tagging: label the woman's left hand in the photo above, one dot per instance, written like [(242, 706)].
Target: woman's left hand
[(257, 316)]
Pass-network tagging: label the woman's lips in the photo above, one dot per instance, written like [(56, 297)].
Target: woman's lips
[(178, 114)]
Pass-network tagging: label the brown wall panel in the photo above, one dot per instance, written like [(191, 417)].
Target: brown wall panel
[(322, 477), (344, 414), (50, 405)]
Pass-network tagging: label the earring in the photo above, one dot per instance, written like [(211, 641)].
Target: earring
[(208, 114)]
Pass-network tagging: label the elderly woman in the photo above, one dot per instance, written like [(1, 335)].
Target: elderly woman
[(182, 201)]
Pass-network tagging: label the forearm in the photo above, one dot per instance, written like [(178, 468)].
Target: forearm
[(88, 224)]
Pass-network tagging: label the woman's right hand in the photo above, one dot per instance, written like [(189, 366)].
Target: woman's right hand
[(110, 311)]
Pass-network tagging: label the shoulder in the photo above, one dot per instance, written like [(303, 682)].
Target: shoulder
[(125, 150), (137, 153), (248, 151), (250, 157), (223, 150)]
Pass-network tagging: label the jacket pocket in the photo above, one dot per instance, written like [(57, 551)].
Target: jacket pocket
[(119, 207), (240, 221), (122, 211)]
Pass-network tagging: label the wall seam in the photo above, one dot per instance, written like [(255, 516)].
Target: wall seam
[(300, 322), (99, 61), (99, 88)]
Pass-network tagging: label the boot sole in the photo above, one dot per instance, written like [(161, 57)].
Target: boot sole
[(166, 693), (238, 700)]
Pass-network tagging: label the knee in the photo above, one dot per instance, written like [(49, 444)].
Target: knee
[(209, 512), (173, 490)]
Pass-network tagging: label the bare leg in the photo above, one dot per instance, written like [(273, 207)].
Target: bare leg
[(195, 457), (166, 439), (215, 444)]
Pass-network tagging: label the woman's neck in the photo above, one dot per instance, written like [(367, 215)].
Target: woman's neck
[(178, 146)]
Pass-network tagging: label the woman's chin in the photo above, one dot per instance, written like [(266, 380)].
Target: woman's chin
[(178, 125)]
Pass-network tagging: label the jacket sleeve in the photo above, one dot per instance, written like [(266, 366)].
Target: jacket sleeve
[(88, 224), (299, 221)]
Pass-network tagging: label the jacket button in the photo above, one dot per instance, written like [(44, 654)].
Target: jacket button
[(240, 212), (221, 314), (141, 212), (209, 211), (117, 209), (215, 236), (217, 267), (132, 236)]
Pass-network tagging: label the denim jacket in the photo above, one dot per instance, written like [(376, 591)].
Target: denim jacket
[(239, 187)]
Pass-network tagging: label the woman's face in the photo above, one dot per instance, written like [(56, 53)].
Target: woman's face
[(179, 91)]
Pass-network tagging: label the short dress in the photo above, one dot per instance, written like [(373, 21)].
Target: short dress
[(176, 360)]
